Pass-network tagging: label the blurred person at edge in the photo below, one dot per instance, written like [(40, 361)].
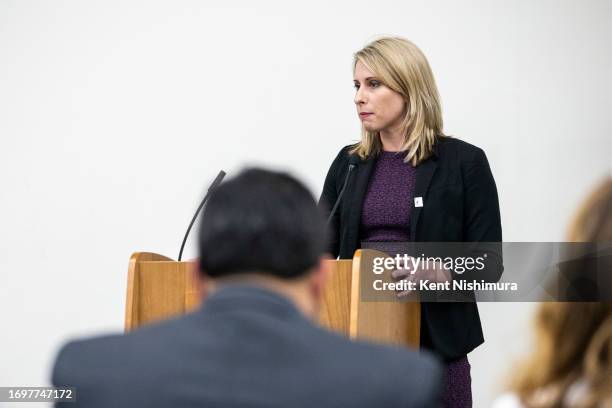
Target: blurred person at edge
[(414, 183), (571, 364), (252, 343)]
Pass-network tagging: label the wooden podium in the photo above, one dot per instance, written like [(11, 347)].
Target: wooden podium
[(159, 288)]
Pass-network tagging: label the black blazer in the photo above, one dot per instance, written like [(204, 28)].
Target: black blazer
[(246, 347), (460, 204)]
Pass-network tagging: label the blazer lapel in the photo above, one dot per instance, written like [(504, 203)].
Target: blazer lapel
[(424, 173), (357, 191)]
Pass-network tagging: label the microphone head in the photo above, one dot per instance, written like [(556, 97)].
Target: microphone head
[(354, 160), (217, 180)]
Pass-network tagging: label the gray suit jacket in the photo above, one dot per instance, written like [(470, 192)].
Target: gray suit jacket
[(247, 347)]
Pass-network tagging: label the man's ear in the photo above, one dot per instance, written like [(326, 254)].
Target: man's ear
[(319, 276), (200, 281)]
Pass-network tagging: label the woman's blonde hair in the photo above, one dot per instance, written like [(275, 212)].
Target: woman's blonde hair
[(573, 340), (401, 66)]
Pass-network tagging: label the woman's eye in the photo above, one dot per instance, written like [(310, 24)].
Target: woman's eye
[(373, 84)]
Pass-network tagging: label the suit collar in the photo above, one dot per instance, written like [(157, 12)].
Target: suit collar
[(249, 297)]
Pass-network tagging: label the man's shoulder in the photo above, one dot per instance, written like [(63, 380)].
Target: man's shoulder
[(386, 369), (417, 375), (98, 354), (400, 359), (78, 357)]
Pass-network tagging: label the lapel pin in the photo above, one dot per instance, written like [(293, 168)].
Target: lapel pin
[(418, 201)]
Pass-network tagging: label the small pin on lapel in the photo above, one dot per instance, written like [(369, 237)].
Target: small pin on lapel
[(418, 201)]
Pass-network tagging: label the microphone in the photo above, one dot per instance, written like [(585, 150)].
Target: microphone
[(214, 185), (353, 161)]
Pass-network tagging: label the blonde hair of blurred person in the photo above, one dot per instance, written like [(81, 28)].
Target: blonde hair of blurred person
[(402, 67), (571, 365)]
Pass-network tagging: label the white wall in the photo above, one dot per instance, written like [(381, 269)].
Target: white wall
[(116, 114)]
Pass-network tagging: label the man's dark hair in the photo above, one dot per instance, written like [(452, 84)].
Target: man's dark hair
[(261, 221)]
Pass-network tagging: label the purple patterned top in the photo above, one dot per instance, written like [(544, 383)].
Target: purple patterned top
[(385, 215)]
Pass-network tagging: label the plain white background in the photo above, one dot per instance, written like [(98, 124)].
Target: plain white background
[(114, 116)]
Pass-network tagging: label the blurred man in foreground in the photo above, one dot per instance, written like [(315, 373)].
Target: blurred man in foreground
[(253, 342)]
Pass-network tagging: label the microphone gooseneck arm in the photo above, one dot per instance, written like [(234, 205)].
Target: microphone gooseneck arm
[(346, 179), (214, 185)]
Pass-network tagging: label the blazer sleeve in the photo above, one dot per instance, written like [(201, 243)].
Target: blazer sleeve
[(328, 199), (482, 219)]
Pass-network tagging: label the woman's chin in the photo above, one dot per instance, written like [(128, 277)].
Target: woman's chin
[(370, 127)]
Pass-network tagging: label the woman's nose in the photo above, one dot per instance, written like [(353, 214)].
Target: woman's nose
[(359, 97)]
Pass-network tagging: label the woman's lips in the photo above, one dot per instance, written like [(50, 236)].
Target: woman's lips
[(364, 115)]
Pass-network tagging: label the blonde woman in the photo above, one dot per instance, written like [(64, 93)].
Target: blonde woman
[(571, 364), (410, 182)]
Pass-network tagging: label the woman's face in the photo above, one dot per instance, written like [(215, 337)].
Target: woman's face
[(378, 107)]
